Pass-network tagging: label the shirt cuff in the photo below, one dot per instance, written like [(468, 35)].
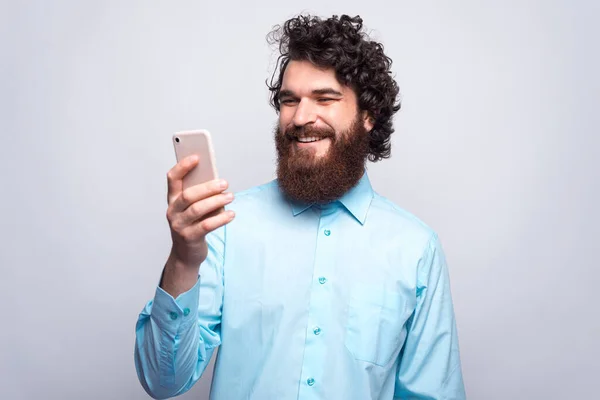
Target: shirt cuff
[(176, 314)]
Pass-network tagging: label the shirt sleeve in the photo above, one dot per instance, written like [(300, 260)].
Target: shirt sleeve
[(429, 366), (176, 338)]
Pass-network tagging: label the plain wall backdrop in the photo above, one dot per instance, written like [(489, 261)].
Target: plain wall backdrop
[(495, 148)]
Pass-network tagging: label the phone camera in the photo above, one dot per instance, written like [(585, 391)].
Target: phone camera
[(177, 139)]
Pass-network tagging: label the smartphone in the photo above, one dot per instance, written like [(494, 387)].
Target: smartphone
[(196, 142)]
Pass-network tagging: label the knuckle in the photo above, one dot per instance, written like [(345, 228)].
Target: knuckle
[(170, 215), (196, 209), (205, 225), (186, 196), (177, 226), (178, 230)]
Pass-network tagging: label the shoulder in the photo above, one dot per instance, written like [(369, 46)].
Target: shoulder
[(401, 222), (417, 239)]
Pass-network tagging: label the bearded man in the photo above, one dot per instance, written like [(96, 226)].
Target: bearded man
[(312, 286)]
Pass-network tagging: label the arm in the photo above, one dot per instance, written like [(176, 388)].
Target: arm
[(429, 366), (176, 337)]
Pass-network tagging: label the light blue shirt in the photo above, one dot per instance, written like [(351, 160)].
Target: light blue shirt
[(349, 300)]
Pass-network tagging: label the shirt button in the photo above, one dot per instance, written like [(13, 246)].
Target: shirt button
[(186, 311), (173, 315), (327, 232), (322, 280), (317, 330), (310, 381)]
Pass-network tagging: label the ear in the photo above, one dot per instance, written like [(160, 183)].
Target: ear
[(368, 121)]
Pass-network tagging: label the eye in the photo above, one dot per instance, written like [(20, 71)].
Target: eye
[(324, 100), (288, 102)]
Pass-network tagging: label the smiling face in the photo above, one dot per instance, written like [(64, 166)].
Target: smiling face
[(312, 99), (322, 138)]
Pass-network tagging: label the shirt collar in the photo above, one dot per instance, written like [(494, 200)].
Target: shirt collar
[(356, 200)]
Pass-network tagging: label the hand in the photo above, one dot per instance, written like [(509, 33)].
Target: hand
[(193, 213)]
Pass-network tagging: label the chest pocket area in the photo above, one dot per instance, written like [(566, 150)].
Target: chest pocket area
[(375, 323)]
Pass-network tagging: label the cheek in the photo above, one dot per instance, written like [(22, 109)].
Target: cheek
[(285, 118), (339, 118)]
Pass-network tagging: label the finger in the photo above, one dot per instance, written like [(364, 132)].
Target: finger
[(196, 193), (176, 174), (207, 225), (203, 208)]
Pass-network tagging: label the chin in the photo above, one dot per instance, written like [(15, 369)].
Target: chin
[(313, 153)]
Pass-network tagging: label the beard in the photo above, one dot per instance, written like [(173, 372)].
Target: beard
[(304, 177)]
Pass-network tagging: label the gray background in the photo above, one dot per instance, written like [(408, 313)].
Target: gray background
[(495, 149)]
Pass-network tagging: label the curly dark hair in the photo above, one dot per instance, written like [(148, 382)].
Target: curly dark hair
[(360, 63)]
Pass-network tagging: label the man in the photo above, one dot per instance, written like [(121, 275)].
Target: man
[(319, 288)]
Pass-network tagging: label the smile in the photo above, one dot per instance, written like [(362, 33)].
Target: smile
[(308, 139)]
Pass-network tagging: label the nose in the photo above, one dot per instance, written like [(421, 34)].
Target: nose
[(305, 113)]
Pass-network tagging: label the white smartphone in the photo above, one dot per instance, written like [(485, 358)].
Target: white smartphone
[(198, 142)]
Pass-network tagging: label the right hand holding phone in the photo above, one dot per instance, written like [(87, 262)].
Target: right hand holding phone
[(191, 213)]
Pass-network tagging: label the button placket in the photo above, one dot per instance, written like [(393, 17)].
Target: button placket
[(320, 303)]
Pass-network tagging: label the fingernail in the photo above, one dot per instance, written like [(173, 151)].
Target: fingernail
[(193, 158), (222, 184)]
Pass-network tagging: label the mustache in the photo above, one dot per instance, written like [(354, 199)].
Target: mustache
[(294, 132)]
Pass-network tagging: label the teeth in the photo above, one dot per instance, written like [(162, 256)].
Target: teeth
[(308, 139)]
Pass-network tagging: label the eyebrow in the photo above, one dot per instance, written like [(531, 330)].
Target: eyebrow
[(322, 91)]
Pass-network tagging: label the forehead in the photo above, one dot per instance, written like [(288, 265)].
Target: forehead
[(303, 76)]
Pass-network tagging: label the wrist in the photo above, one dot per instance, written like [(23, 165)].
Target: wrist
[(175, 261), (178, 276)]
